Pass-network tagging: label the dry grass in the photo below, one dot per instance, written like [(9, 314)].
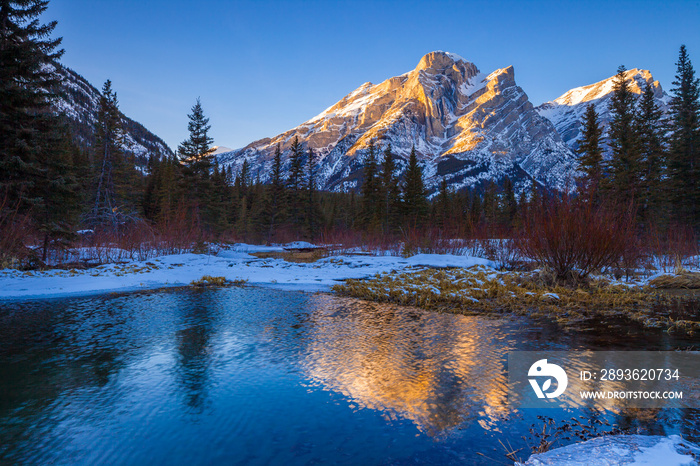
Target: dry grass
[(304, 257), (208, 280), (683, 281), (480, 290)]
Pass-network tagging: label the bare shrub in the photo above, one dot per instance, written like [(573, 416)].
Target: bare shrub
[(574, 238), (672, 248), (15, 229)]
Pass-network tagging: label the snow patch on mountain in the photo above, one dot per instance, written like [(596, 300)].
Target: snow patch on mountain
[(466, 126)]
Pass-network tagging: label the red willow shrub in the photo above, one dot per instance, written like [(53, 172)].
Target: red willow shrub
[(574, 238), (15, 229), (672, 248)]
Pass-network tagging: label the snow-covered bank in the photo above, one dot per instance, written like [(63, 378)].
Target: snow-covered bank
[(234, 264), (631, 450)]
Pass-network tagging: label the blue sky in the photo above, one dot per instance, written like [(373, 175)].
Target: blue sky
[(262, 67)]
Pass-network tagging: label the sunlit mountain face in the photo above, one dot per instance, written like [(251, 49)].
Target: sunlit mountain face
[(566, 111), (466, 126)]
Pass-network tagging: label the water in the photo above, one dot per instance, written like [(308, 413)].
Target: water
[(258, 376)]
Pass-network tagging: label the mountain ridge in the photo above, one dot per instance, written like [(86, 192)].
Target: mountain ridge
[(467, 126), (79, 102)]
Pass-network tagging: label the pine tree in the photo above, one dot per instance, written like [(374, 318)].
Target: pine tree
[(650, 131), (295, 181), (109, 209), (475, 209), (509, 208), (274, 208), (28, 86), (625, 166), (195, 153), (443, 205), (684, 150), (370, 190), (37, 175), (312, 210), (391, 195), (56, 213), (591, 154), (415, 204)]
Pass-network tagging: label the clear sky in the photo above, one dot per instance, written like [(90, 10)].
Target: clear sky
[(263, 67)]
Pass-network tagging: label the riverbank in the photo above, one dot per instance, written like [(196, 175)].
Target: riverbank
[(236, 263), (482, 290)]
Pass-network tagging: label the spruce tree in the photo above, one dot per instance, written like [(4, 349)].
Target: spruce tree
[(509, 209), (28, 86), (443, 204), (37, 174), (391, 194), (195, 154), (195, 151), (625, 166), (684, 150), (370, 190), (275, 200), (295, 182), (109, 208), (312, 210), (415, 204), (650, 131), (591, 154)]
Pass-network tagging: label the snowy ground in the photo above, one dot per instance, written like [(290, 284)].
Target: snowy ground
[(632, 450), (234, 263)]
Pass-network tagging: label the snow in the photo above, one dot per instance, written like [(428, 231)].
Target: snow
[(631, 450), (234, 263)]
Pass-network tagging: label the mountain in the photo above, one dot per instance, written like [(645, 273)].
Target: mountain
[(566, 112), (80, 102), (467, 126)]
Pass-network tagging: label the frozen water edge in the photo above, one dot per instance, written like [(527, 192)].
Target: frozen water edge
[(632, 450), (233, 264)]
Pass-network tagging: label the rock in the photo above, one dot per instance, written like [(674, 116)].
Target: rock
[(637, 450), (566, 112), (466, 126)]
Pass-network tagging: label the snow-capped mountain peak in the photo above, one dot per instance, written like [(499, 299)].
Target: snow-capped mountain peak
[(467, 126), (566, 111)]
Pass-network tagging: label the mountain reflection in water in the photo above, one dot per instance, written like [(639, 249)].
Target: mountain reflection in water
[(260, 376)]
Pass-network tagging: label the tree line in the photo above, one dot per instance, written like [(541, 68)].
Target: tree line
[(654, 163), (52, 186)]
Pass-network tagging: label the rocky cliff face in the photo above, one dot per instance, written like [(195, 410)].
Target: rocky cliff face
[(80, 103), (466, 126), (566, 112)]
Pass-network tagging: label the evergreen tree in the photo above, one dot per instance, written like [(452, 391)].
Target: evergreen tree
[(28, 86), (275, 200), (625, 166), (650, 131), (370, 190), (109, 207), (509, 209), (391, 195), (36, 153), (312, 209), (475, 209), (443, 204), (295, 181), (415, 204), (684, 150), (195, 153), (56, 212), (591, 154)]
